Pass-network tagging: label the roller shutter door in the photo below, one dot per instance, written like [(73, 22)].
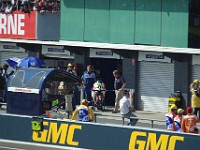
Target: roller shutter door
[(195, 73), (155, 84)]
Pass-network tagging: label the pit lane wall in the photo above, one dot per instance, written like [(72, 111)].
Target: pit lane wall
[(93, 135)]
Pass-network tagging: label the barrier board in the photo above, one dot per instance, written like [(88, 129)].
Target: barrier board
[(93, 135)]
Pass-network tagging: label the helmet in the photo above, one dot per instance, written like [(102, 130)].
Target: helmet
[(99, 84), (69, 65), (196, 81)]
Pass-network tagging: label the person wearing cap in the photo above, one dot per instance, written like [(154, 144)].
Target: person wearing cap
[(178, 119), (66, 89), (170, 118), (119, 85), (189, 122), (70, 69), (126, 109), (84, 113), (195, 99)]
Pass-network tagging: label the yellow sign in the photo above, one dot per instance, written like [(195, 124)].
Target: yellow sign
[(57, 135), (145, 141)]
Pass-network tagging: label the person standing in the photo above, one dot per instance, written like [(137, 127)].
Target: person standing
[(195, 99), (5, 75), (189, 122), (84, 113), (178, 120), (170, 118), (88, 78), (71, 70), (126, 109), (66, 89), (119, 85)]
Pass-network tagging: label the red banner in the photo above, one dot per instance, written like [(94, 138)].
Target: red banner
[(18, 25)]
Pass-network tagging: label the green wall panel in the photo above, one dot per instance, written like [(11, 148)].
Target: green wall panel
[(72, 20), (175, 23), (96, 21), (122, 21), (148, 22)]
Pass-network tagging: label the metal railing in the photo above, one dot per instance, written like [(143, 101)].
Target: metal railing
[(152, 121), (139, 118)]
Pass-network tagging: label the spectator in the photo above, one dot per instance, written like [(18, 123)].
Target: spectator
[(25, 8), (119, 85), (16, 4), (170, 118), (8, 9), (195, 99), (55, 7), (189, 122), (88, 78), (84, 113), (3, 7), (45, 7), (36, 6), (178, 120), (126, 109)]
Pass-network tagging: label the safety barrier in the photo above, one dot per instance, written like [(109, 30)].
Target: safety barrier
[(91, 135)]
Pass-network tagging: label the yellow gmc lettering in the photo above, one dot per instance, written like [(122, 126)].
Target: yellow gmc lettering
[(62, 135), (144, 141)]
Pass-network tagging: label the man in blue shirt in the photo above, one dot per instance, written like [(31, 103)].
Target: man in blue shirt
[(88, 79)]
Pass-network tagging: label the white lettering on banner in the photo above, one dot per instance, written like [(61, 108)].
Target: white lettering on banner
[(12, 24)]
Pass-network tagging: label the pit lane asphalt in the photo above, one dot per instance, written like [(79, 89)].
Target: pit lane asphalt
[(107, 117)]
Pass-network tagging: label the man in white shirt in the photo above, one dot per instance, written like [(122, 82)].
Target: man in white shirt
[(126, 109)]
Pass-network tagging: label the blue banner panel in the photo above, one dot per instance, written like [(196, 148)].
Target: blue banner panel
[(93, 135)]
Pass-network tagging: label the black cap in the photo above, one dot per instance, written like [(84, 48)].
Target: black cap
[(126, 91)]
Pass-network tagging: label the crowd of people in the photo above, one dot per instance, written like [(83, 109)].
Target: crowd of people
[(94, 93), (176, 121), (26, 6)]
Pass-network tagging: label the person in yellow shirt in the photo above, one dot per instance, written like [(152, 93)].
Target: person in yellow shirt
[(189, 122), (84, 113), (195, 99)]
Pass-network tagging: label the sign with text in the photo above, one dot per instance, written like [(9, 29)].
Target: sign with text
[(102, 53), (153, 56), (79, 135), (12, 47), (56, 51), (18, 25)]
